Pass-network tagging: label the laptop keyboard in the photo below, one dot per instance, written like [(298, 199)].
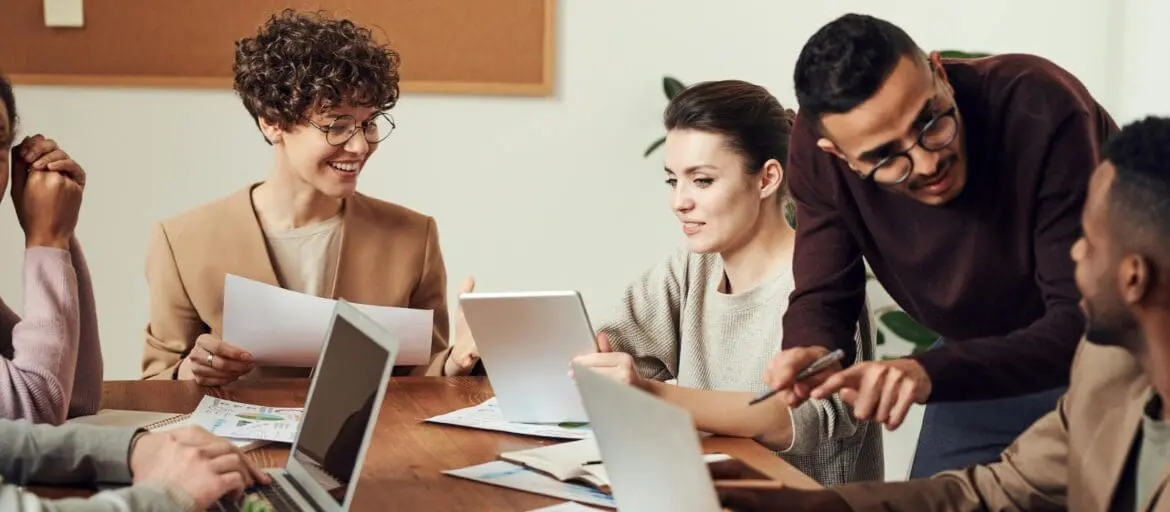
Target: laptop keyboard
[(273, 494)]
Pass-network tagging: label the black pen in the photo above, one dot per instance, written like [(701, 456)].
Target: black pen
[(820, 364)]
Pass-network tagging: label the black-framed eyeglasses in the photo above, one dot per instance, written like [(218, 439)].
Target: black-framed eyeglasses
[(338, 132), (935, 135)]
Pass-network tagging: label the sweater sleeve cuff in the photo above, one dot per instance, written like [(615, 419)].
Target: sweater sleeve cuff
[(55, 268), (112, 455), (806, 420), (943, 380)]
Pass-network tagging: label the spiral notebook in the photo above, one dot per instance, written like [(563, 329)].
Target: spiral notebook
[(154, 422)]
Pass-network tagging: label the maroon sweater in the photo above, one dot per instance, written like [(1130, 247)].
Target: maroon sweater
[(990, 271)]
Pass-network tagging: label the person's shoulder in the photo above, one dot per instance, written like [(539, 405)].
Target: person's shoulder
[(1026, 85), (208, 216), (389, 215)]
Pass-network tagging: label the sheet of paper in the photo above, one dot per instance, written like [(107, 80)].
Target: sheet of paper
[(242, 444), (226, 418), (513, 476), (568, 506), (562, 461), (285, 328), (487, 416)]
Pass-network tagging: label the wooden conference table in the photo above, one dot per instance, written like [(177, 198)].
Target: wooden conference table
[(406, 456)]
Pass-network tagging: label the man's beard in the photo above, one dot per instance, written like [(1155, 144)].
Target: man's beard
[(1108, 330)]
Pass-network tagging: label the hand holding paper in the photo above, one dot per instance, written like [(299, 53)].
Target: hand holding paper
[(280, 327)]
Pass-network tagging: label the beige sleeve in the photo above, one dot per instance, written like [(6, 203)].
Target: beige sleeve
[(431, 294), (646, 322), (174, 323)]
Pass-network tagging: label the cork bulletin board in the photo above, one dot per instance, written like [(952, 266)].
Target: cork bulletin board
[(447, 46)]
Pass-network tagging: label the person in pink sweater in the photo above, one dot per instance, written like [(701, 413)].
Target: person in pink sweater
[(50, 360)]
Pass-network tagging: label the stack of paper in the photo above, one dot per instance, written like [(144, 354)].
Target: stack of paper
[(238, 420), (512, 476), (578, 461), (487, 416)]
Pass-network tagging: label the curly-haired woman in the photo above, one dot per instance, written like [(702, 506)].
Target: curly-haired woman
[(319, 90)]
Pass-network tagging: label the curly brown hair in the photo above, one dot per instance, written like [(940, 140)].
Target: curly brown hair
[(301, 61)]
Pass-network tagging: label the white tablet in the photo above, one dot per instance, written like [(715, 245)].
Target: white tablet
[(527, 341)]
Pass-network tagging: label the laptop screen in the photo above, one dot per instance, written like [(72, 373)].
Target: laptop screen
[(337, 413)]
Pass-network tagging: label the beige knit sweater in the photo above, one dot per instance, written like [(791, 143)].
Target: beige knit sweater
[(677, 324)]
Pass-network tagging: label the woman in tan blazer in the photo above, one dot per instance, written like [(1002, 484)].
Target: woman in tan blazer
[(319, 90)]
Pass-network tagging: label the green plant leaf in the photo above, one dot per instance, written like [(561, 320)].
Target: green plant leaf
[(654, 146), (959, 54), (906, 328), (790, 213), (881, 338), (672, 86)]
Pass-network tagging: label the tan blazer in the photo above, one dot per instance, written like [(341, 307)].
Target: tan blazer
[(1071, 459), (389, 256)]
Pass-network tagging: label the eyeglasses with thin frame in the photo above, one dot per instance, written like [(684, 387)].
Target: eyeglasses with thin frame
[(338, 132), (936, 134)]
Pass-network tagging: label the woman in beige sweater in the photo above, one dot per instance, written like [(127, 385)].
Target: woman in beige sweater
[(709, 316)]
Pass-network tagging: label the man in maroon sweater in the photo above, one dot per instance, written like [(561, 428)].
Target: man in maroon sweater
[(961, 183)]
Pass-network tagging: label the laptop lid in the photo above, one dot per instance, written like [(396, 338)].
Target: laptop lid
[(526, 341), (650, 448), (342, 408)]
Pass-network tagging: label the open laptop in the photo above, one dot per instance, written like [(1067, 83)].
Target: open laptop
[(345, 396), (650, 449), (526, 341)]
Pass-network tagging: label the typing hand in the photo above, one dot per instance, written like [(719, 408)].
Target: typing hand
[(618, 366), (464, 354), (215, 363), (879, 390), (194, 461), (47, 188), (787, 364)]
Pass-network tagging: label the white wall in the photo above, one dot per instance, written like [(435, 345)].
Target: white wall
[(1143, 78), (529, 193)]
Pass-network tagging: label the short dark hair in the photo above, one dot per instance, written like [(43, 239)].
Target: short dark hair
[(845, 63), (753, 121), (1139, 200), (9, 101), (299, 61)]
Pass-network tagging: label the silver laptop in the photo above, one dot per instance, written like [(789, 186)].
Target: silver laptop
[(526, 341), (649, 448), (340, 413)]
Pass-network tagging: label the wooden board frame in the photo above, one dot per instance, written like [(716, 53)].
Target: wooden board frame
[(546, 86)]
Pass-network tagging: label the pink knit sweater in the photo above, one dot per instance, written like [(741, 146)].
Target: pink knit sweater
[(51, 364)]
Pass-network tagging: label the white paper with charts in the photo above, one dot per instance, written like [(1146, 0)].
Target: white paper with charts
[(226, 418), (487, 416), (513, 476), (281, 327)]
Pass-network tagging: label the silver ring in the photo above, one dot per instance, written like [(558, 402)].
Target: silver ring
[(210, 358)]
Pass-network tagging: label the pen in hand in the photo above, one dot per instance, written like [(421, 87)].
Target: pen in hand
[(820, 364)]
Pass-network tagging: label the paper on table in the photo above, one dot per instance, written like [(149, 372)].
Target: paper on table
[(512, 476), (154, 422), (281, 327), (487, 416), (226, 418), (573, 461), (568, 506)]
